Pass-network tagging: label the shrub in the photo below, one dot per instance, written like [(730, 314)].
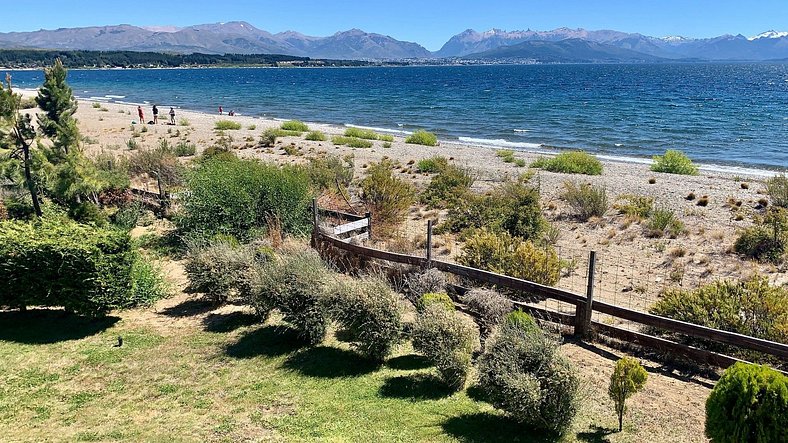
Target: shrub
[(269, 136), (3, 210), (750, 307), (663, 221), (159, 162), (239, 198), (361, 133), (638, 206), (127, 216), (448, 340), (628, 378), (184, 122), (432, 164), (148, 285), (387, 197), (185, 149), (324, 173), (504, 254), (585, 200), (422, 137), (435, 298), (451, 184), (767, 241), (221, 269), (227, 125), (351, 141), (386, 138), (749, 403), (431, 280), (674, 162), (489, 307), (507, 155), (295, 283), (370, 312), (316, 136), (574, 162), (522, 373), (51, 262), (294, 125), (132, 144), (777, 188)]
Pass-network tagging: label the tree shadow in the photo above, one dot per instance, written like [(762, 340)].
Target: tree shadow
[(474, 392), (597, 434), (229, 322), (267, 341), (419, 386), (408, 362), (486, 427), (189, 308), (46, 326), (328, 362)]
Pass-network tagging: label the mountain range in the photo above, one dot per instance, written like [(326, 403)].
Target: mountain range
[(557, 46)]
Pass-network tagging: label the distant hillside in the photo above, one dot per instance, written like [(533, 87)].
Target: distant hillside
[(564, 51)]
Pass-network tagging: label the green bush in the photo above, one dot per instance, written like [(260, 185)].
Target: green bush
[(52, 262), (3, 210), (160, 162), (748, 404), (324, 173), (422, 137), (435, 298), (127, 216), (585, 200), (507, 155), (522, 373), (353, 142), (448, 340), (185, 149), (663, 221), (221, 270), (574, 162), (295, 283), (148, 285), (361, 133), (240, 197), (269, 136), (450, 185), (777, 188), (628, 378), (638, 206), (225, 125), (751, 307), (316, 136), (387, 197), (674, 162), (432, 164), (767, 241), (294, 125), (503, 254), (370, 312)]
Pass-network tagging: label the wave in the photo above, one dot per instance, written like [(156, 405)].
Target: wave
[(725, 169), (372, 128), (499, 142), (115, 96), (521, 130), (100, 99)]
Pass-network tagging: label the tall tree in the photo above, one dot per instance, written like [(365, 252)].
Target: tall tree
[(17, 135), (56, 100)]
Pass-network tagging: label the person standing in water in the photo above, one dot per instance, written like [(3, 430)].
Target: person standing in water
[(155, 115), (220, 109), (172, 115), (142, 116)]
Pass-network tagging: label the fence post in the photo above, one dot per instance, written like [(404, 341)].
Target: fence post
[(368, 215), (429, 244), (314, 222), (583, 311)]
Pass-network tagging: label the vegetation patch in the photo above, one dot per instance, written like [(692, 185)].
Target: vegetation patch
[(777, 188), (316, 136), (294, 125), (450, 185), (432, 165), (573, 162), (422, 137), (226, 125), (767, 240), (674, 162), (664, 222), (387, 197), (586, 200)]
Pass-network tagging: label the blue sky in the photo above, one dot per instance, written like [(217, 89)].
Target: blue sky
[(427, 22)]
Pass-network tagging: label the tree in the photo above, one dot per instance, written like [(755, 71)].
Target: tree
[(628, 378), (17, 135), (56, 99)]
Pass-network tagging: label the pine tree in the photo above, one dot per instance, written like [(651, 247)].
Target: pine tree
[(57, 101)]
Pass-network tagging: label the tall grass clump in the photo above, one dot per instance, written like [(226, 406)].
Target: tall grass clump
[(586, 200), (777, 188), (315, 136), (450, 185), (522, 372), (369, 311), (160, 162), (422, 137), (221, 270), (226, 125), (748, 403), (664, 222), (240, 197), (294, 125), (353, 142), (184, 149), (386, 196), (512, 256), (448, 340), (767, 239), (432, 165), (361, 133), (674, 162), (573, 162), (633, 205), (329, 172), (148, 285)]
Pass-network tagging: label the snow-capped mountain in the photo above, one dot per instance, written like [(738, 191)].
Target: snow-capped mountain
[(770, 34)]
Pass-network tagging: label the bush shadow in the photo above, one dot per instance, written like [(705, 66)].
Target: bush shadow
[(189, 308), (421, 386), (46, 326), (267, 341), (487, 427), (328, 362), (597, 434), (408, 362), (229, 322)]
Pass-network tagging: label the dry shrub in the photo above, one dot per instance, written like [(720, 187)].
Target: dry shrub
[(428, 281), (223, 270), (489, 307)]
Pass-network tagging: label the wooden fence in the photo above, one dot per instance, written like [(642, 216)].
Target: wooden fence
[(584, 304)]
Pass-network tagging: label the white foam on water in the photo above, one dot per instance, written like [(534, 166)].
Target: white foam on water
[(734, 170), (372, 128), (115, 96), (499, 142), (100, 99), (521, 130), (618, 145)]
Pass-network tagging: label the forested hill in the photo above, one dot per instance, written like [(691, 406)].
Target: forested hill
[(30, 58)]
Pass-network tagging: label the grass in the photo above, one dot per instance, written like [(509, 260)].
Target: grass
[(674, 162), (316, 136), (367, 134), (432, 164), (573, 162), (353, 142), (294, 125), (184, 122), (422, 137), (227, 125)]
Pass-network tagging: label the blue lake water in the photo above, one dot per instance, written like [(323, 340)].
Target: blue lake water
[(727, 114)]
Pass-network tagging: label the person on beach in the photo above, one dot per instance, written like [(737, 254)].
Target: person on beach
[(172, 115), (142, 116), (220, 109), (155, 115)]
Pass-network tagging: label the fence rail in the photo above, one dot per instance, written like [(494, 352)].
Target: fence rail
[(584, 303)]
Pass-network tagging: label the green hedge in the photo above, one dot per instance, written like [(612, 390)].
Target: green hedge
[(50, 262)]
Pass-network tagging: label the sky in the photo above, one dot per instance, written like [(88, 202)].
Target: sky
[(430, 23)]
